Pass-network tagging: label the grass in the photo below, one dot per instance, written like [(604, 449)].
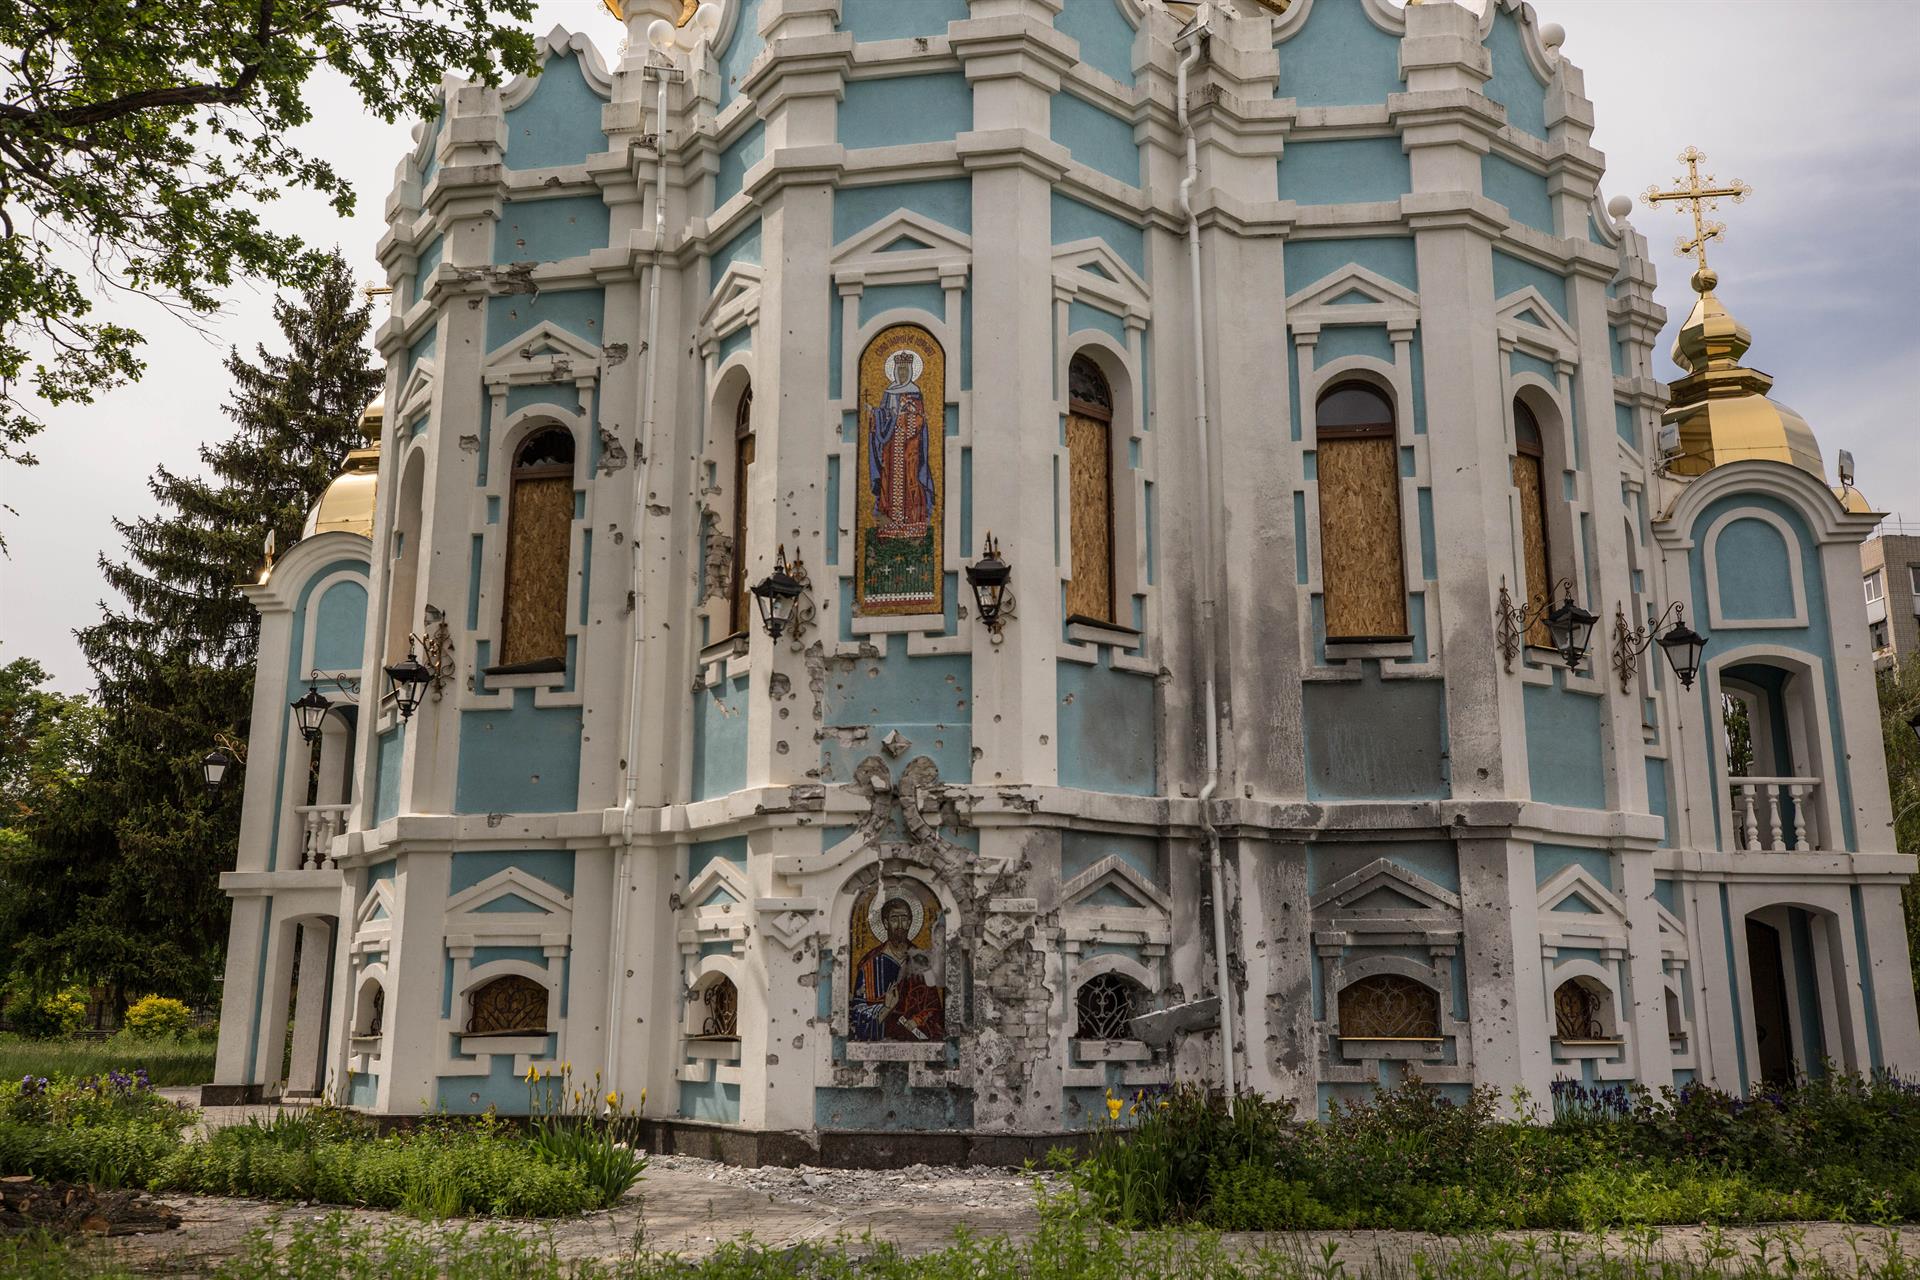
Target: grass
[(1070, 1245), (1836, 1148), (168, 1062)]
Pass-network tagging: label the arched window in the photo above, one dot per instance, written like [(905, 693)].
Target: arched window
[(739, 597), (1529, 478), (718, 1011), (1362, 573), (509, 1005), (1582, 1012), (403, 573), (1389, 1006), (372, 1017), (1106, 1006), (533, 631), (1090, 491)]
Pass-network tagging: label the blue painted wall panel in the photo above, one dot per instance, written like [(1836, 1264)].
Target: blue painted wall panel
[(1344, 171), (903, 109), (1096, 138), (390, 747), (1514, 85), (720, 739), (743, 46), (550, 230), (928, 699), (893, 20), (522, 760), (1511, 274), (1339, 59), (1523, 191), (1310, 261), (1073, 221), (735, 159), (578, 311), (1337, 342), (560, 123), (555, 866), (1563, 747), (1106, 730), (1105, 35), (1755, 578), (340, 630)]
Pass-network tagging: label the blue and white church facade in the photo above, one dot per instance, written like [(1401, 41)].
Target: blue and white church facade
[(1293, 432)]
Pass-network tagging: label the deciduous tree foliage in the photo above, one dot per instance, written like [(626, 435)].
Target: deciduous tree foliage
[(1899, 700), (143, 140), (122, 884)]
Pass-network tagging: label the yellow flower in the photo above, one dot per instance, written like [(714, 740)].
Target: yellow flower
[(566, 1068), (533, 1073), (613, 1098), (1113, 1107), (643, 1099)]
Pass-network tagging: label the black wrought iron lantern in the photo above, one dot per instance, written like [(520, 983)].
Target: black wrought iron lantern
[(1682, 645), (309, 710), (213, 769), (988, 576), (408, 681), (1572, 630), (777, 594)]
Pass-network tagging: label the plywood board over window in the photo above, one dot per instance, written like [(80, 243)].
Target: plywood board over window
[(1529, 469), (1090, 492), (533, 632), (1362, 569)]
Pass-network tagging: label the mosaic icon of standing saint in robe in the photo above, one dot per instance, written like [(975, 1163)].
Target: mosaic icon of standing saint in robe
[(902, 442), (894, 942)]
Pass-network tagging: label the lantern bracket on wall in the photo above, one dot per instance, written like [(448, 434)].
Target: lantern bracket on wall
[(1681, 643), (785, 597), (428, 664), (310, 708), (992, 598), (227, 752), (1569, 625)]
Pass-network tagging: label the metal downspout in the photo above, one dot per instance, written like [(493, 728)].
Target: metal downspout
[(1210, 836)]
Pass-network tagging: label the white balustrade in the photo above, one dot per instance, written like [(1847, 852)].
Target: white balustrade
[(319, 824), (1773, 814)]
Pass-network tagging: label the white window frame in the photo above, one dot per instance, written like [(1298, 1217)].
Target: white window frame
[(1871, 584)]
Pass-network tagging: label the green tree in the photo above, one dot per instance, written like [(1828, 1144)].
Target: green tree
[(125, 884), (138, 143), (1899, 701)]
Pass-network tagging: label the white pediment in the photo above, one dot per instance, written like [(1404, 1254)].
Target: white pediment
[(373, 917), (883, 252), (416, 392), (502, 888), (1575, 891), (544, 353), (1113, 883), (1092, 267), (1383, 889), (1526, 318), (561, 42), (721, 883), (735, 300), (1353, 295)]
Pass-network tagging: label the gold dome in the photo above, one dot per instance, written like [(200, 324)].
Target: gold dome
[(1720, 407), (347, 503), (1854, 501)]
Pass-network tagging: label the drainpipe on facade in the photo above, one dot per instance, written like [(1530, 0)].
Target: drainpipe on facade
[(643, 458), (1196, 35)]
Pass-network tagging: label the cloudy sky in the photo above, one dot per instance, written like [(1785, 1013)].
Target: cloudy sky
[(1813, 103)]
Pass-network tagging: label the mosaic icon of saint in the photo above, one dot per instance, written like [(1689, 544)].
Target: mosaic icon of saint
[(892, 998), (898, 468)]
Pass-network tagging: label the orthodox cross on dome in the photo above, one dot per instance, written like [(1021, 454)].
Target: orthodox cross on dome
[(1701, 194)]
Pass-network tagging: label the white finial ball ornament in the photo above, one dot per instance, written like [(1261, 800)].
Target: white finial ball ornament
[(660, 34), (1620, 207), (706, 21), (1552, 36)]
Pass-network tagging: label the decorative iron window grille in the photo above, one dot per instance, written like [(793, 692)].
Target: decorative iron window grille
[(1388, 1006), (722, 1004), (379, 1019), (1107, 1004), (1087, 389), (511, 1005), (1579, 1011)]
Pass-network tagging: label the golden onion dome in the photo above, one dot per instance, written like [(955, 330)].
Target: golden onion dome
[(1854, 501), (347, 503), (1719, 407)]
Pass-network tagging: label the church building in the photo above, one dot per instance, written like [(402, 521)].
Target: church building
[(922, 562)]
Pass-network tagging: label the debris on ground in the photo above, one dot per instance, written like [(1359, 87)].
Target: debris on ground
[(27, 1205)]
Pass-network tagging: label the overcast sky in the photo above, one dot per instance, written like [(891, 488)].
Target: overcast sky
[(1815, 104)]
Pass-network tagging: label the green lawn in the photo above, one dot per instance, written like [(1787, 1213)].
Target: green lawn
[(168, 1062)]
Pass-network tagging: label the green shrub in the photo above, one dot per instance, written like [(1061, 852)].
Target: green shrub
[(48, 1016), (154, 1017)]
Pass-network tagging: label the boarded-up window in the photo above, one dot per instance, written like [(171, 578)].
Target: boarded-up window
[(1362, 574), (533, 634), (740, 606), (1090, 491), (1529, 470)]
